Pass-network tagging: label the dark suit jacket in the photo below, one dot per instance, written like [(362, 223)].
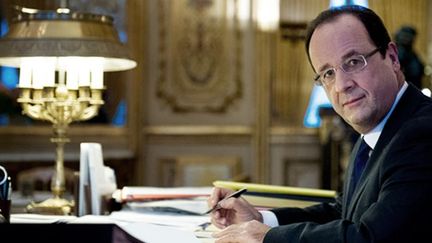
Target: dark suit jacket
[(393, 202)]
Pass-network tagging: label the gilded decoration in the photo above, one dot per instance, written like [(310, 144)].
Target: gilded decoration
[(200, 53)]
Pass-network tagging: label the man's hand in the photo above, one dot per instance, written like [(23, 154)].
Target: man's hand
[(248, 232), (232, 211)]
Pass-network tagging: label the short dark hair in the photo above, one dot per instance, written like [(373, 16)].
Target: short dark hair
[(371, 21)]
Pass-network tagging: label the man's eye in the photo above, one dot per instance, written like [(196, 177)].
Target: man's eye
[(353, 62), (328, 74)]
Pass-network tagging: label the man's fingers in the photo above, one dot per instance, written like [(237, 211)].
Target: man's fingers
[(250, 232), (230, 230)]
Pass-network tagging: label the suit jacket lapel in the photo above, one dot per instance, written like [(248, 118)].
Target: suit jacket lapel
[(370, 166), (348, 183)]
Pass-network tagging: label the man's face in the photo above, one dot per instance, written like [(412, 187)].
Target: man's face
[(362, 98)]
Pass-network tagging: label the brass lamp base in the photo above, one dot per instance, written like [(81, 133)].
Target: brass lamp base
[(55, 205)]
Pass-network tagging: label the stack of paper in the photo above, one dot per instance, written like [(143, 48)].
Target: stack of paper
[(193, 206), (134, 194), (165, 200)]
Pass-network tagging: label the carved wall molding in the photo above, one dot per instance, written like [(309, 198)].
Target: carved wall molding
[(198, 134), (197, 130), (200, 56), (293, 31)]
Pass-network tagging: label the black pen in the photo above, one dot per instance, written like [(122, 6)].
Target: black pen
[(235, 194)]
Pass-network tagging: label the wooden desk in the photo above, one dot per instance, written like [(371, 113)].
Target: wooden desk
[(66, 233)]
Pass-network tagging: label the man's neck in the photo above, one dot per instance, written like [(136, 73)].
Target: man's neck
[(372, 137)]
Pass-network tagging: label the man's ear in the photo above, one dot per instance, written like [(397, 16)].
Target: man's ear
[(392, 53), (394, 58)]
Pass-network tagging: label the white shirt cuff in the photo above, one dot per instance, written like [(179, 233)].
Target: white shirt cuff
[(269, 218)]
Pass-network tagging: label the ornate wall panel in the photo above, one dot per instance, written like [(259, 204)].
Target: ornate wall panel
[(200, 53), (292, 87)]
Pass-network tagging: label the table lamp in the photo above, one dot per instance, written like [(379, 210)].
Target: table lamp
[(62, 56)]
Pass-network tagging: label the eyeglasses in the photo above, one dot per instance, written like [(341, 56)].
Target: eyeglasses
[(350, 65)]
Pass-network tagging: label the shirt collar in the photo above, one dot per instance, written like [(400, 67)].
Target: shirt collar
[(371, 138)]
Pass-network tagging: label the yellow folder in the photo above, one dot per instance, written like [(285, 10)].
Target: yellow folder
[(274, 196)]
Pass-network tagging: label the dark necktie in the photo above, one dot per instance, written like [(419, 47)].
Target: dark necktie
[(359, 164)]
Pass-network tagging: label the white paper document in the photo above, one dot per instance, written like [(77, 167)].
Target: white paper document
[(150, 228), (183, 221), (193, 206), (152, 233), (27, 218), (96, 179)]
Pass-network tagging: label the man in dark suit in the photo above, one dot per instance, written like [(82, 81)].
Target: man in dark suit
[(411, 64), (389, 199)]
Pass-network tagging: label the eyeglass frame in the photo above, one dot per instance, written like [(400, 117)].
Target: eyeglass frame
[(318, 77)]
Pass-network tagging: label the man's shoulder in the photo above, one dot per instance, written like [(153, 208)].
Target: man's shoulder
[(423, 111), (417, 128), (412, 118), (416, 103)]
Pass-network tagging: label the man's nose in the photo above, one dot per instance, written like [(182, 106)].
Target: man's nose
[(343, 81)]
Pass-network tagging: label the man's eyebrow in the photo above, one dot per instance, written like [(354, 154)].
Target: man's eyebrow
[(345, 56), (324, 67), (350, 54)]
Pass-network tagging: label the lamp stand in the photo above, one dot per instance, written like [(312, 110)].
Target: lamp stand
[(56, 204), (61, 107)]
